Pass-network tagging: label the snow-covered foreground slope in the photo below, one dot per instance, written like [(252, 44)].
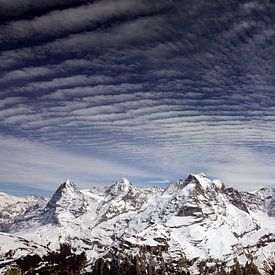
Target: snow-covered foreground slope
[(195, 225)]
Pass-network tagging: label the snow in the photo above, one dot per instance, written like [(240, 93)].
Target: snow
[(264, 220), (194, 218), (203, 180), (218, 183), (175, 221), (18, 246)]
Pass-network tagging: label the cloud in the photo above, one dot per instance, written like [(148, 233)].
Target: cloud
[(19, 7), (172, 88), (8, 101), (37, 165), (30, 73), (72, 20), (143, 28), (246, 170)]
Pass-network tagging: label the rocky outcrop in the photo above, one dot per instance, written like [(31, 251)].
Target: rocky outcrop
[(55, 263), (235, 198)]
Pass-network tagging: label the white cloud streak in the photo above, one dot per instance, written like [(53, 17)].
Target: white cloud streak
[(72, 20), (37, 165)]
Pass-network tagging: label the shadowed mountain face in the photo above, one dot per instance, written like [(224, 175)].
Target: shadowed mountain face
[(194, 226)]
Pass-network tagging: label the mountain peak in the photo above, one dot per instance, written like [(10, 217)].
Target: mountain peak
[(66, 189), (132, 224), (123, 185), (68, 184), (200, 179), (124, 182)]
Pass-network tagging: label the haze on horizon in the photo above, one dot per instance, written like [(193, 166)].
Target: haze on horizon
[(148, 90)]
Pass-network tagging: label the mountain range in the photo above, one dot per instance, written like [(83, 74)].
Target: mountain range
[(194, 226)]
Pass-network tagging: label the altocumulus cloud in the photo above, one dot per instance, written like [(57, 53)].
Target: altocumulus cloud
[(153, 91)]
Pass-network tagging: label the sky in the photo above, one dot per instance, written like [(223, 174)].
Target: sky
[(148, 90)]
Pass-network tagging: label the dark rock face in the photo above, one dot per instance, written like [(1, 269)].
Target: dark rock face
[(55, 263), (248, 269), (150, 260), (235, 198), (68, 197), (66, 263), (191, 179), (142, 264), (261, 200), (269, 267), (4, 227), (13, 269), (268, 197), (189, 211), (59, 193)]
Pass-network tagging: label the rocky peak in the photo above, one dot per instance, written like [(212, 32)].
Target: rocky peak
[(265, 198), (122, 186), (266, 193), (192, 179), (124, 226), (64, 195), (199, 180), (235, 198), (67, 188), (219, 184), (68, 200), (260, 200)]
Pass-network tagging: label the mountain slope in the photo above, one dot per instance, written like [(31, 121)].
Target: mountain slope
[(195, 225), (13, 208)]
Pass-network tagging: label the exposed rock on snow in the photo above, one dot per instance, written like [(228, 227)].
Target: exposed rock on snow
[(194, 225)]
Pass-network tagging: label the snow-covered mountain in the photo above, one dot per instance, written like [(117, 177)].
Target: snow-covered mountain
[(194, 226), (13, 208)]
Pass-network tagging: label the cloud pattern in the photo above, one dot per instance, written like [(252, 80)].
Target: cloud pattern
[(158, 88)]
